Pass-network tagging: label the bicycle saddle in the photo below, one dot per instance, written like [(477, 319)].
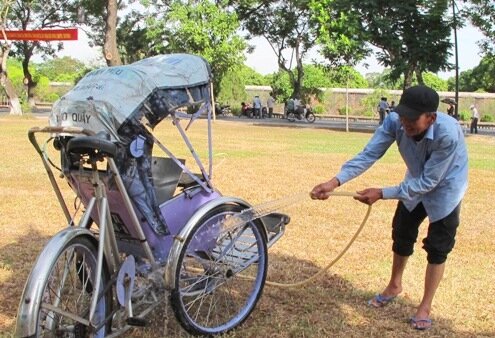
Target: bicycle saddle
[(92, 146)]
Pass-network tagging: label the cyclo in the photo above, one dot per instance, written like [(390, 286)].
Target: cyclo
[(151, 229)]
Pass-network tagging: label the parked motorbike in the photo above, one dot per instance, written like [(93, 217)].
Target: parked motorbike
[(223, 109), (248, 111), (301, 114)]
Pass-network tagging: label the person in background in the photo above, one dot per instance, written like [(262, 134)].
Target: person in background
[(451, 109), (382, 109), (257, 106), (475, 116), (289, 107), (433, 149), (392, 106), (298, 107), (270, 103), (297, 103)]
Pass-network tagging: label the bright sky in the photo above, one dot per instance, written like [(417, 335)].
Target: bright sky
[(263, 58)]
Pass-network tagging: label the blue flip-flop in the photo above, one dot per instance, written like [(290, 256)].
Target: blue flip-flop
[(380, 301), (424, 324)]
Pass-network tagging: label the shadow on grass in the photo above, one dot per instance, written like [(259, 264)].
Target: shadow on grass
[(332, 307), (328, 307), (17, 258)]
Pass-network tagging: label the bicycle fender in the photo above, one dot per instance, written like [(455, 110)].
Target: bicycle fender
[(180, 239), (27, 314)]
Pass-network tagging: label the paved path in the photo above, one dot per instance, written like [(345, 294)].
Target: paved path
[(340, 125)]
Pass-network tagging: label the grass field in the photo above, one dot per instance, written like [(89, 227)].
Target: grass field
[(260, 164)]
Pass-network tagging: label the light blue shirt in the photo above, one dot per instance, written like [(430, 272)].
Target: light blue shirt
[(437, 166), (383, 105)]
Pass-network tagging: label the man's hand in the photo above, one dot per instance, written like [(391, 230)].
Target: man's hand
[(369, 196), (322, 191)]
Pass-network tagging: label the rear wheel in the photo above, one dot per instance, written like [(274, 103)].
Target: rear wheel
[(310, 117), (291, 117), (67, 293), (221, 273)]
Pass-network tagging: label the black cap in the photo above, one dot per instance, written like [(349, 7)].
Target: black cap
[(417, 100)]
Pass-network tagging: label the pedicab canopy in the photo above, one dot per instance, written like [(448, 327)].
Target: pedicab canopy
[(146, 91)]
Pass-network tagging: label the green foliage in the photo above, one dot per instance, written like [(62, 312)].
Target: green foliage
[(319, 109), (43, 92), (482, 15), (339, 35), (487, 118), (480, 78), (414, 36), (232, 86), (281, 86), (315, 78), (370, 102), (382, 80), (464, 115), (346, 77), (46, 93), (286, 26), (65, 69), (16, 75), (342, 111), (433, 81), (203, 28)]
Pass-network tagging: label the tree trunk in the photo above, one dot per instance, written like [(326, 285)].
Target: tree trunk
[(15, 105), (28, 79), (419, 77), (110, 49), (298, 83), (408, 77)]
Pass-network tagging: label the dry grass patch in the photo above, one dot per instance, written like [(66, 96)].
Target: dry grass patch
[(260, 164)]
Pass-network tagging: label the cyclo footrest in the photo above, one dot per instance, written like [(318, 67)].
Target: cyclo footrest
[(275, 226), (135, 321)]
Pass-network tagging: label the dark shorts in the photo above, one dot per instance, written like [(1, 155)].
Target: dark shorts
[(440, 238)]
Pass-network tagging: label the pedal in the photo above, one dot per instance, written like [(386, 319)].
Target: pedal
[(135, 321)]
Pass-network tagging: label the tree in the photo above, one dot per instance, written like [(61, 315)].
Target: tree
[(317, 77), (232, 85), (482, 15), (200, 27), (413, 35), (286, 25), (134, 38), (480, 78), (433, 81), (38, 14), (65, 69), (5, 46), (110, 49), (100, 21), (341, 40)]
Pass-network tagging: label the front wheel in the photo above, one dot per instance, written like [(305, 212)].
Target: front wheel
[(310, 117), (221, 273), (291, 117), (67, 292)]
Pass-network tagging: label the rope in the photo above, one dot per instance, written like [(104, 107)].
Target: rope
[(337, 258)]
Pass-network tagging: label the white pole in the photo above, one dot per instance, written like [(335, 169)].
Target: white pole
[(347, 104), (213, 102)]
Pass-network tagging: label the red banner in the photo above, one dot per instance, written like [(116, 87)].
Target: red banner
[(42, 35)]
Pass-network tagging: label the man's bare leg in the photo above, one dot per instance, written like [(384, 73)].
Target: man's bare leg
[(433, 276), (394, 286)]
